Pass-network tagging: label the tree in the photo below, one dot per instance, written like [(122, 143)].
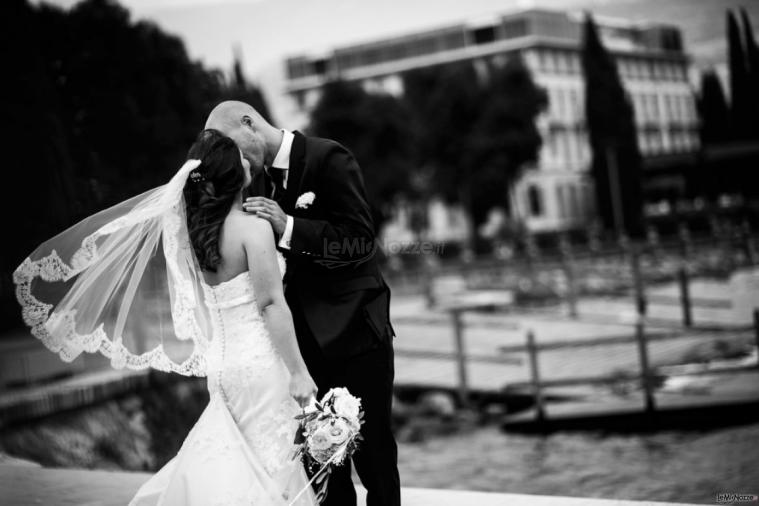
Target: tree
[(478, 131), (101, 108), (38, 176), (240, 89), (132, 100), (505, 138), (740, 93), (713, 110), (752, 77), (447, 102), (377, 129), (616, 164)]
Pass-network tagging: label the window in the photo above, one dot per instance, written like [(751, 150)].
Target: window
[(574, 153), (541, 60), (638, 110), (566, 147), (515, 28), (656, 141), (300, 98), (575, 205), (574, 63), (484, 35), (535, 200), (561, 196), (552, 104), (320, 67), (550, 61), (589, 199), (576, 110), (671, 105), (688, 113), (553, 145)]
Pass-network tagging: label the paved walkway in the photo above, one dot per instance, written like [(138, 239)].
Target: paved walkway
[(22, 485)]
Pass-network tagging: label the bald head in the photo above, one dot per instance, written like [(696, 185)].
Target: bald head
[(230, 114), (255, 137)]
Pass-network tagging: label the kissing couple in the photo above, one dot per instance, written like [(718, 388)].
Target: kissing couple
[(230, 271)]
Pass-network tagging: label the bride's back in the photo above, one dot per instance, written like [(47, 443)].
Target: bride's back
[(234, 261)]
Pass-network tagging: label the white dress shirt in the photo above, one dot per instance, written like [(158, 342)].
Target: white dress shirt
[(282, 162)]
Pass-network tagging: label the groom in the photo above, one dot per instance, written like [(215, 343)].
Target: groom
[(312, 192)]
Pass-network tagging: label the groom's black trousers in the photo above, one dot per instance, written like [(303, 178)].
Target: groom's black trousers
[(370, 377)]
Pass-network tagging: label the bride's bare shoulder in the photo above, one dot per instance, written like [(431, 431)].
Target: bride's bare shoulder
[(247, 226)]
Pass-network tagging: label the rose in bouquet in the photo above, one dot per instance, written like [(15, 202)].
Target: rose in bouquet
[(329, 433)]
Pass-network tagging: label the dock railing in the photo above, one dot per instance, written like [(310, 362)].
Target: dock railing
[(646, 374)]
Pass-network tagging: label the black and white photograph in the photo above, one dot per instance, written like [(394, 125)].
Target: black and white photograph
[(379, 252)]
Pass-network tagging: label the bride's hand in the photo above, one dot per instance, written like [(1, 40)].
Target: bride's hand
[(302, 388)]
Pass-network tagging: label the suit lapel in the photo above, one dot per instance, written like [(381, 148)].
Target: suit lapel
[(295, 174)]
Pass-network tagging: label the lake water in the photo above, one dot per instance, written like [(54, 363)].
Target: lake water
[(668, 466)]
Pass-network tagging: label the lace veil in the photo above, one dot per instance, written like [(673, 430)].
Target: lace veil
[(125, 283)]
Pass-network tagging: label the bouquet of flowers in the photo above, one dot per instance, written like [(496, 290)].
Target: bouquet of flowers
[(329, 434)]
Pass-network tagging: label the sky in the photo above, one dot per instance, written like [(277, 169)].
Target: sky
[(268, 31)]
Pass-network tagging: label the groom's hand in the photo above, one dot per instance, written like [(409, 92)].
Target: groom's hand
[(268, 210)]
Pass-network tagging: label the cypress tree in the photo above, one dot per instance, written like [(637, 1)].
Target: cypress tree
[(240, 89), (740, 108), (713, 110), (616, 164), (752, 67)]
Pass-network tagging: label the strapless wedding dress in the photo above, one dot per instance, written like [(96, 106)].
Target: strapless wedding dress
[(239, 452)]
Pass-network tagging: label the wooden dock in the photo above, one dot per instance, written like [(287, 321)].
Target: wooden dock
[(729, 400)]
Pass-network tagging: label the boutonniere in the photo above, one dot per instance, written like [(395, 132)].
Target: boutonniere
[(305, 200)]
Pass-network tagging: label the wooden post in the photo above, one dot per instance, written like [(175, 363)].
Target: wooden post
[(532, 350), (748, 244), (685, 240), (652, 238), (429, 282), (565, 248), (615, 191), (639, 284), (682, 276), (458, 333), (645, 372), (571, 293), (727, 245)]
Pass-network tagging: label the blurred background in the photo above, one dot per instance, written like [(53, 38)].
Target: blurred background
[(566, 193)]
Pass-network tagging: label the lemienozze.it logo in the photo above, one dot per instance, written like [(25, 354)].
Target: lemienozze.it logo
[(357, 251), (731, 498)]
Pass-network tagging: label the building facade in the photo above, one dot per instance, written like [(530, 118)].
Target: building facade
[(557, 193)]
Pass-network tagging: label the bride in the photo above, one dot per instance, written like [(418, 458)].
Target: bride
[(187, 248)]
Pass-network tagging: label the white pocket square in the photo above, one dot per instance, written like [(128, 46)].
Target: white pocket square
[(305, 200)]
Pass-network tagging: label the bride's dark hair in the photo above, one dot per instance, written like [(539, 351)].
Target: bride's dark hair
[(210, 192)]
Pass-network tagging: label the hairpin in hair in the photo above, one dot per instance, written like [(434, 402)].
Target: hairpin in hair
[(196, 176)]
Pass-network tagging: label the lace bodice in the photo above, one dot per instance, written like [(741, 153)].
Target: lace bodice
[(239, 339), (242, 360)]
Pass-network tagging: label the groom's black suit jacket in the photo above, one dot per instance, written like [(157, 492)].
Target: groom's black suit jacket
[(333, 283)]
